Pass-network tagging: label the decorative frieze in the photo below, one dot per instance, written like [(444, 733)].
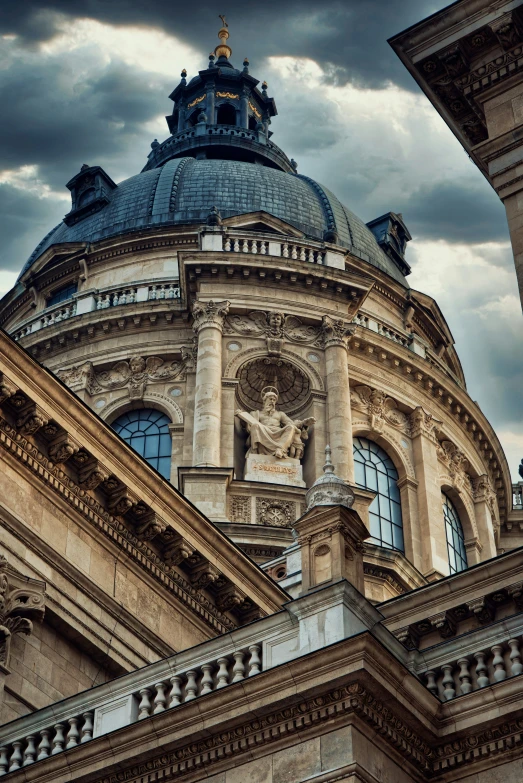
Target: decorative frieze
[(240, 508), (380, 408), (276, 327), (134, 374), (275, 513)]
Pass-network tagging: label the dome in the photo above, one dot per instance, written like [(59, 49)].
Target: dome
[(183, 190)]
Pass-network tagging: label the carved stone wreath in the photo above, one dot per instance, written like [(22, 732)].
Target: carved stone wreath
[(293, 385), (275, 513)]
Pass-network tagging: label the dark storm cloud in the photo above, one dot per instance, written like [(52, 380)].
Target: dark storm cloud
[(457, 212), (19, 209), (347, 37), (57, 121)]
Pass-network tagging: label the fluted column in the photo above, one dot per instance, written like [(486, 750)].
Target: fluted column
[(208, 325), (339, 418)]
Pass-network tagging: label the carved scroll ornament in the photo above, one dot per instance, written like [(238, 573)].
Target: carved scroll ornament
[(21, 601)]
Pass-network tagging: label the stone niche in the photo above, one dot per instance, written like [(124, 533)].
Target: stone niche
[(294, 400)]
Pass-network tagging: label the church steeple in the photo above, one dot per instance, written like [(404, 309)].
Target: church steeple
[(221, 113)]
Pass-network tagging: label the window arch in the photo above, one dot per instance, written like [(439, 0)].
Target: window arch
[(374, 470), (147, 431), (455, 539)]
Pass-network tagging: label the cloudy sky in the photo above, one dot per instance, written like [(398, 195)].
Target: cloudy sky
[(87, 82)]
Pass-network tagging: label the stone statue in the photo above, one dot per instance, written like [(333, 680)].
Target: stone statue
[(272, 431)]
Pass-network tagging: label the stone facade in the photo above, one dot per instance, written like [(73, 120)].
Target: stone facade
[(467, 59), (139, 641)]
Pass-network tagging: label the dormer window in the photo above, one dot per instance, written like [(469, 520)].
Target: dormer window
[(62, 294)]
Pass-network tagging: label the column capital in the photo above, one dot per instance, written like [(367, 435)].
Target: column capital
[(424, 423), (335, 331), (21, 600), (209, 314)]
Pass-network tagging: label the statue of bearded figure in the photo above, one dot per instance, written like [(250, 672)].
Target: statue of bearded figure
[(272, 431)]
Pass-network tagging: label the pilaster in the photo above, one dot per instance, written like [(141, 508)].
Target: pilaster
[(434, 557), (339, 419)]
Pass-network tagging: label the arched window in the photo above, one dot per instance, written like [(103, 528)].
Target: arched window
[(147, 431), (374, 470), (455, 538), (226, 114)]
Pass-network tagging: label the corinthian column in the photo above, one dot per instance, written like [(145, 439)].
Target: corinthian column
[(339, 419), (208, 325)]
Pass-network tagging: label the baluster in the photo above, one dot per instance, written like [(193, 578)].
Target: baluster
[(30, 751), (448, 683), (115, 299), (464, 675), (107, 302), (87, 728), (170, 292), (481, 670), (263, 248), (176, 691), (4, 763), (55, 318), (16, 756), (132, 296), (59, 739), (303, 257), (294, 252), (254, 247), (73, 733), (207, 681), (227, 244), (152, 292), (223, 674), (45, 745), (255, 660), (431, 682), (145, 703), (245, 246), (160, 700), (238, 668), (516, 666), (498, 663), (191, 688), (285, 250), (236, 245), (161, 294)]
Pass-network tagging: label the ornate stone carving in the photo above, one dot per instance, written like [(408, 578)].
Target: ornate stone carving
[(423, 423), (275, 513), (230, 600), (135, 374), (273, 432), (151, 527), (21, 601), (61, 449), (240, 508), (506, 30), (31, 420), (209, 314), (177, 551), (7, 389), (456, 463), (482, 608), (205, 576), (335, 331), (379, 407), (483, 491), (189, 356), (277, 327)]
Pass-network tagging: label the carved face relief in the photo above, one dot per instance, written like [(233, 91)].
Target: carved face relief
[(137, 364)]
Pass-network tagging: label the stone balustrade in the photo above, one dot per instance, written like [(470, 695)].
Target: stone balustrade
[(473, 671), (62, 726), (295, 251), (98, 300), (384, 330), (517, 495)]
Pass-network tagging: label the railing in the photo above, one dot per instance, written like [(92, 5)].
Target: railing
[(475, 671), (232, 244), (517, 495), (103, 300), (115, 708), (380, 328)]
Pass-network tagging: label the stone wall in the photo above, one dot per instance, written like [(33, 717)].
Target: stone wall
[(46, 667)]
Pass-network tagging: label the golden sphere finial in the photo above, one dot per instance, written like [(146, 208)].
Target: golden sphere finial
[(223, 50)]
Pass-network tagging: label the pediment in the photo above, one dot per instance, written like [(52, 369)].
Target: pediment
[(262, 221)]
